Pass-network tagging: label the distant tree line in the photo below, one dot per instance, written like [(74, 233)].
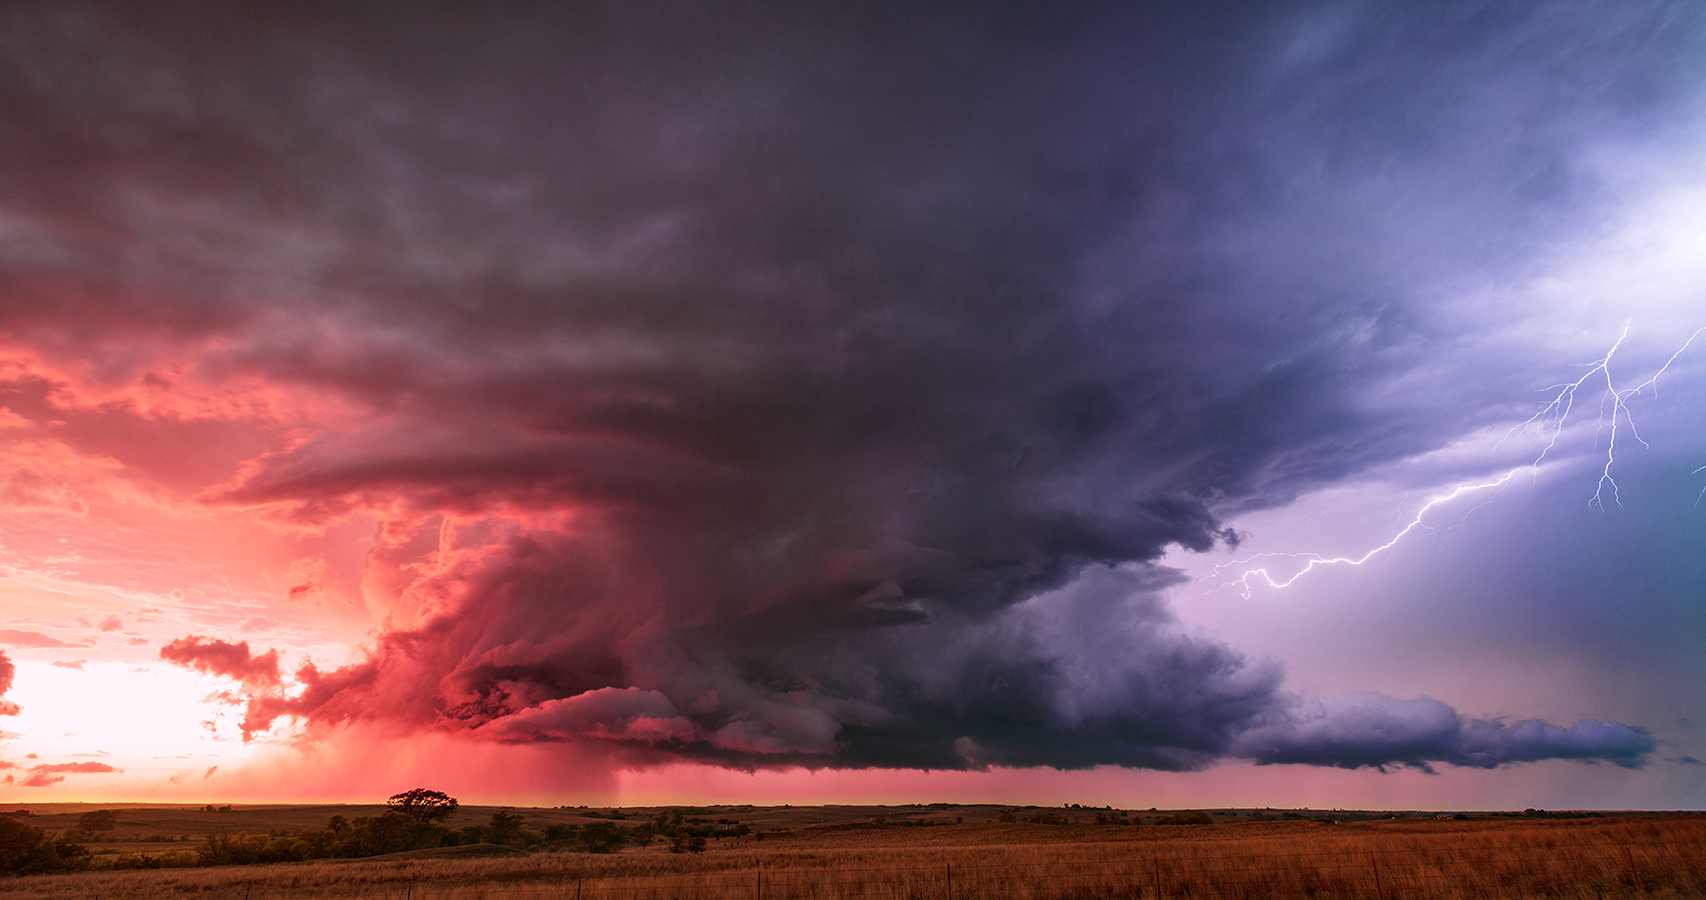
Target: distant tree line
[(399, 829), (413, 822), (1108, 817)]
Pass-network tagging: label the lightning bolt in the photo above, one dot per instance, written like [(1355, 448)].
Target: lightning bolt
[(1552, 417), (1557, 411), (1416, 523)]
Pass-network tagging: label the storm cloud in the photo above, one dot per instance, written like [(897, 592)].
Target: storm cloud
[(774, 386), (1374, 730)]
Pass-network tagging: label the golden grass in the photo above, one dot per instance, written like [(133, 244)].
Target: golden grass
[(1416, 860)]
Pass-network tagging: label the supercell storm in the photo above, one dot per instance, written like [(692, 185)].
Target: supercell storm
[(781, 387)]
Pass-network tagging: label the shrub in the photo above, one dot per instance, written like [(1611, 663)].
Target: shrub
[(685, 841), (557, 831), (93, 823), (505, 827), (602, 837)]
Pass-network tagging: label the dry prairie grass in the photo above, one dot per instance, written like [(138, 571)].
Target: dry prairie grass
[(1652, 857)]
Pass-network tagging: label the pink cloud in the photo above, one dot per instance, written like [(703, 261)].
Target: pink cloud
[(218, 657), (7, 672), (342, 695), (44, 775), (32, 640)]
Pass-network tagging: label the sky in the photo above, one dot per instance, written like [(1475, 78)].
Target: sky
[(1167, 404)]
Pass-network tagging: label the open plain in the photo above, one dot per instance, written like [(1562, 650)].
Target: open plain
[(935, 852)]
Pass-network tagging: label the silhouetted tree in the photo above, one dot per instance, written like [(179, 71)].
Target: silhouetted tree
[(423, 805)]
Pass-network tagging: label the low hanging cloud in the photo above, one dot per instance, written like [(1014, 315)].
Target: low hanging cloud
[(216, 657), (8, 671), (1366, 729), (1095, 673), (820, 388), (619, 714)]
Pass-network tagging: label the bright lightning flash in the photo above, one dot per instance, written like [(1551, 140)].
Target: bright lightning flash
[(1614, 409), (1416, 523), (1558, 410)]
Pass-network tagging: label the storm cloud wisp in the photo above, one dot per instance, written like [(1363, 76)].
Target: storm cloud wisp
[(224, 658), (8, 671), (803, 388)]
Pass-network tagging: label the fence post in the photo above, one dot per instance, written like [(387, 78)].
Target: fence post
[(578, 880), (760, 883), (1157, 878), (1375, 865), (1629, 855), (950, 881)]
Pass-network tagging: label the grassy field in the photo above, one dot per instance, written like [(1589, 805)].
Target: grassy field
[(934, 853)]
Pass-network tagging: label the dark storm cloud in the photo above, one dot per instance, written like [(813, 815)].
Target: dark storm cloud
[(813, 385), (1373, 730)]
